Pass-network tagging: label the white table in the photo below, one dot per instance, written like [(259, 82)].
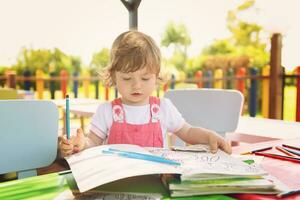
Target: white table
[(253, 129)]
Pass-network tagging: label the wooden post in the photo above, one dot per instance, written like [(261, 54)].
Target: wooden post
[(86, 83), (106, 92), (64, 82), (265, 92), (27, 82), (173, 81), (230, 75), (208, 75), (253, 93), (165, 87), (275, 106), (240, 83), (218, 75), (11, 77), (198, 78), (39, 74), (75, 84), (52, 84)]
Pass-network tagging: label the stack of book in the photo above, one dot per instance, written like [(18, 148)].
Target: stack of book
[(219, 184), (206, 173)]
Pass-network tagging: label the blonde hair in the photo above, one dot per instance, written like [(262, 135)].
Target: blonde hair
[(132, 51)]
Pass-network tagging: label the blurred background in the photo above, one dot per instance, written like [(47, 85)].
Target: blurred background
[(50, 48)]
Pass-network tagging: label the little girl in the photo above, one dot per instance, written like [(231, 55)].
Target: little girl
[(137, 117)]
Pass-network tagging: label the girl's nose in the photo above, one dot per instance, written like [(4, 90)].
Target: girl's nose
[(136, 84)]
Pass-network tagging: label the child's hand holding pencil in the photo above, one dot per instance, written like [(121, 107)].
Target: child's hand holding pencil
[(72, 145)]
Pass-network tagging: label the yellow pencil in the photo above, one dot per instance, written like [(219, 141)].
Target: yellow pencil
[(256, 150)]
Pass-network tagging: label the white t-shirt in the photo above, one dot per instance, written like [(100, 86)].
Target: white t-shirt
[(170, 118)]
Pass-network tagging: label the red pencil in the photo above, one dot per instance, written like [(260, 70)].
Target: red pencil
[(277, 156)]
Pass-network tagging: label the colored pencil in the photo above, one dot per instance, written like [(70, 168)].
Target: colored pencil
[(284, 151), (288, 193), (68, 116), (292, 147), (277, 156), (141, 156), (295, 152), (256, 150)]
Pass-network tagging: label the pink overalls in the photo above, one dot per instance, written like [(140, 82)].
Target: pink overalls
[(146, 135)]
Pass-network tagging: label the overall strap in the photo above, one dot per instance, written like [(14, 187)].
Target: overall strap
[(154, 109), (118, 111)]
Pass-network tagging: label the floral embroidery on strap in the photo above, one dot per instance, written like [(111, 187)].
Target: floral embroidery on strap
[(118, 114), (155, 112)]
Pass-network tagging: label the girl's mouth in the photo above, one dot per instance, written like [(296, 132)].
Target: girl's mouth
[(136, 94)]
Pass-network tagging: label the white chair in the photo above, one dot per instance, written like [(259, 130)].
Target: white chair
[(28, 136), (214, 109)]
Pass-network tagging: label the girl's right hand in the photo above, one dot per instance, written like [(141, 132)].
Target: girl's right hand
[(73, 145)]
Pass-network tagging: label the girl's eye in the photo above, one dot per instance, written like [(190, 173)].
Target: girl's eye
[(126, 78), (145, 79)]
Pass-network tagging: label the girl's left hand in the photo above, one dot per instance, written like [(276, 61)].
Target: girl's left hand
[(217, 142)]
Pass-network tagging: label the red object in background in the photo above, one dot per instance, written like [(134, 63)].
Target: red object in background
[(198, 77), (106, 92), (165, 87), (240, 83), (64, 82)]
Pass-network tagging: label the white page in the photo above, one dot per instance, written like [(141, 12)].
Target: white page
[(92, 168), (206, 162)]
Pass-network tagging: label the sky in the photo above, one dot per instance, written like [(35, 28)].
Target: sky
[(83, 27)]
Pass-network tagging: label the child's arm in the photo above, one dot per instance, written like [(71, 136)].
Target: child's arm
[(198, 135), (79, 142), (92, 140)]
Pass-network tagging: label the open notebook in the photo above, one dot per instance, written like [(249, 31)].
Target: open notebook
[(92, 167)]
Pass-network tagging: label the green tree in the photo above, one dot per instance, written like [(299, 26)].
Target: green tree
[(178, 37), (33, 59), (245, 39), (219, 47), (75, 63), (100, 60), (246, 36)]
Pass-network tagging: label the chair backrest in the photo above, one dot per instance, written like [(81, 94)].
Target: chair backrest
[(8, 93), (28, 135), (214, 109)]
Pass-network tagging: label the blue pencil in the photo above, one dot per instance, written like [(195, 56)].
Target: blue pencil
[(68, 117), (141, 156)]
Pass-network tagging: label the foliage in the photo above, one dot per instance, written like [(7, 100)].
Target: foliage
[(219, 47), (2, 69), (100, 60), (75, 63), (245, 39), (176, 35), (45, 60)]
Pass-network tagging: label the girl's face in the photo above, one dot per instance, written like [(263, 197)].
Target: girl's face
[(136, 87)]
